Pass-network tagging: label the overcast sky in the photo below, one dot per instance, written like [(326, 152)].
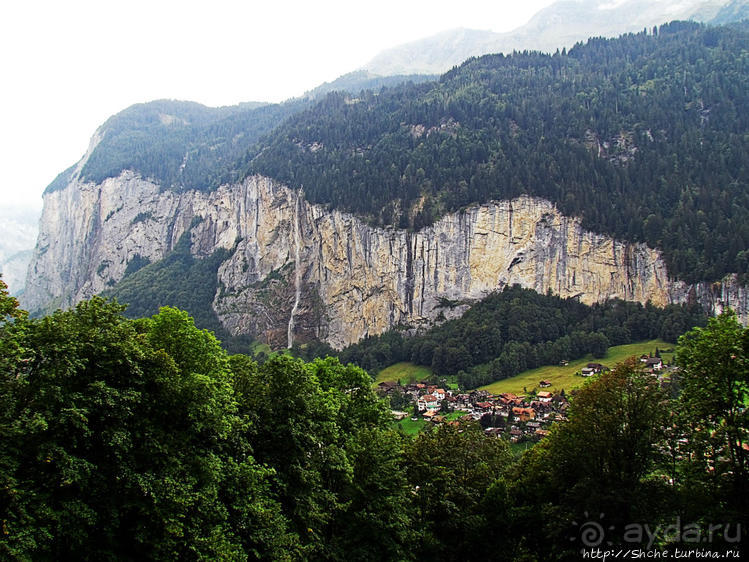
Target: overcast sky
[(68, 65)]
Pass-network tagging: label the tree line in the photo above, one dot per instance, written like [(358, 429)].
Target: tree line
[(126, 439), (518, 329)]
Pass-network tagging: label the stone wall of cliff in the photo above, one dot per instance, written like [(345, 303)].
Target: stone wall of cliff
[(299, 271)]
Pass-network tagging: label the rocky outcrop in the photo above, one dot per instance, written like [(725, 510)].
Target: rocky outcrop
[(298, 270)]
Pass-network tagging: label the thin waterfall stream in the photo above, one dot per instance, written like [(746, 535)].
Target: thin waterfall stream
[(297, 273)]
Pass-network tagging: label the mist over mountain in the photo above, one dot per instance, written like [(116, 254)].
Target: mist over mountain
[(736, 10), (18, 231), (561, 24)]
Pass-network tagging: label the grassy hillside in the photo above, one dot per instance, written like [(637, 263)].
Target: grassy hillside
[(565, 378), (411, 427), (406, 371)]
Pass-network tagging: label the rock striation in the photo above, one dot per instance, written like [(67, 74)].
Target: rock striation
[(298, 271)]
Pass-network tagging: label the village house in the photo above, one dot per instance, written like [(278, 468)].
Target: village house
[(515, 434), (483, 406), (544, 383), (596, 367), (428, 402), (510, 399), (654, 363), (462, 401), (544, 396), (523, 414)]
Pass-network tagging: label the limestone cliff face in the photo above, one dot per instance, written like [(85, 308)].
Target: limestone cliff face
[(298, 271)]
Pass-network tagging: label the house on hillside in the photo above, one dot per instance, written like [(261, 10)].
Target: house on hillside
[(387, 387), (515, 434), (654, 363), (544, 384)]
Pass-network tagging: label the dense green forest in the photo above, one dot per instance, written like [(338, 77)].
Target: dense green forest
[(185, 145), (644, 137), (143, 439), (179, 280), (514, 330), (181, 145)]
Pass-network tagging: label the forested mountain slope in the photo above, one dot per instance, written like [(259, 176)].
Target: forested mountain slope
[(644, 137), (184, 145), (560, 24), (180, 145), (365, 212)]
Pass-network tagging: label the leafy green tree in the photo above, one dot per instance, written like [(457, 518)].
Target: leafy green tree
[(714, 382), (599, 345), (598, 463), (336, 457), (451, 469), (120, 440), (9, 308)]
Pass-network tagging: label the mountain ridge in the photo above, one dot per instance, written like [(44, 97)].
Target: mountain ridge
[(560, 25), (100, 227)]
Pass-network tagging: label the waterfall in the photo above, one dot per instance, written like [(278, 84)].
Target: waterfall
[(297, 274)]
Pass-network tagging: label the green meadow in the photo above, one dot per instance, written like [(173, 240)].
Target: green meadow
[(404, 371), (565, 377)]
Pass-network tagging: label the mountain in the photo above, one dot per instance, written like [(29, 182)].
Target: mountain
[(358, 80), (292, 271), (736, 10), (615, 170), (560, 25), (642, 137), (18, 231)]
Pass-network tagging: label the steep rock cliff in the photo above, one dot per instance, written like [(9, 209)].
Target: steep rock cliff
[(298, 270)]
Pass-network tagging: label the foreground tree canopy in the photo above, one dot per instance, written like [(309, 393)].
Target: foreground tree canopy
[(143, 439)]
